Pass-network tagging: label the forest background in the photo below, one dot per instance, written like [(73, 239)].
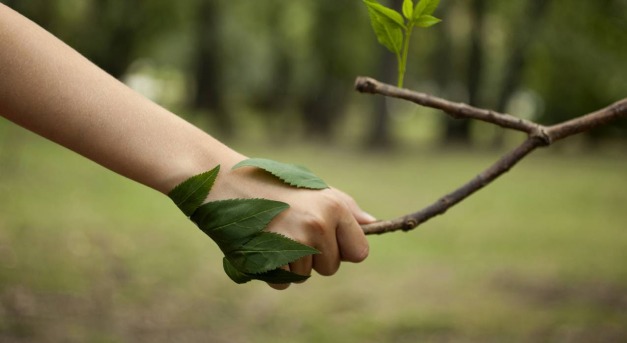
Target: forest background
[(537, 256)]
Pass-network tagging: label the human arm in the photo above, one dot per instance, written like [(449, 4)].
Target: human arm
[(50, 89)]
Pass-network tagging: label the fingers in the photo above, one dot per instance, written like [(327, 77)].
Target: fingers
[(351, 241), (328, 261), (344, 241), (280, 286), (302, 266), (331, 224)]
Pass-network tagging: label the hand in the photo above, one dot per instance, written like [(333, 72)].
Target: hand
[(142, 141), (328, 220)]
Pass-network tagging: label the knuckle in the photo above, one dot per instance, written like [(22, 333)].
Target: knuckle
[(334, 204), (316, 224)]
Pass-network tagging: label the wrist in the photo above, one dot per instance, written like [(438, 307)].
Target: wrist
[(198, 156)]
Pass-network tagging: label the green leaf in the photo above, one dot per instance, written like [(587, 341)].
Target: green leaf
[(408, 9), (386, 26), (189, 194), (425, 7), (267, 251), (427, 21), (233, 273), (386, 12), (236, 225), (293, 175), (250, 254), (274, 276), (431, 7), (279, 276), (231, 223)]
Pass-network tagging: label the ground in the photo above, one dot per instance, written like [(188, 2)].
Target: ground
[(87, 256)]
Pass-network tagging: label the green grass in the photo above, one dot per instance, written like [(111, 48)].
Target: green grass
[(87, 256)]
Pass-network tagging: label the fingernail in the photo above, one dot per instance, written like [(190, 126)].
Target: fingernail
[(369, 217)]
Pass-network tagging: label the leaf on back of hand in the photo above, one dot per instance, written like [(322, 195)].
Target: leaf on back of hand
[(233, 273), (267, 251), (189, 194), (291, 174), (236, 225), (273, 276), (231, 223), (279, 276)]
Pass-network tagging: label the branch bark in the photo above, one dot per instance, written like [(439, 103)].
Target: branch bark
[(538, 136)]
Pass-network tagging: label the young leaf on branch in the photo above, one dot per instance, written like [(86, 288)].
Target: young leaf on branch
[(408, 9), (388, 26), (394, 30), (425, 7), (427, 21)]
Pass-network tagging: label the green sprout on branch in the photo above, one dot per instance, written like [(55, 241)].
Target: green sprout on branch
[(394, 30)]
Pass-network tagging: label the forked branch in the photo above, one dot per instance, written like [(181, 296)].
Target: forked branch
[(538, 136)]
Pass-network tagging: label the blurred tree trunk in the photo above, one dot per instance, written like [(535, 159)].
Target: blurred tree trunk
[(515, 64), (325, 102), (380, 136), (458, 131), (442, 63), (209, 86), (319, 111), (475, 66), (273, 101), (116, 31)]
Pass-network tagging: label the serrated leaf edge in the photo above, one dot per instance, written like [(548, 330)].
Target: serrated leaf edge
[(212, 175), (306, 248), (314, 178), (257, 275), (280, 204)]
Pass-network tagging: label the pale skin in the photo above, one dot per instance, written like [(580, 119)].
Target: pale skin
[(50, 89)]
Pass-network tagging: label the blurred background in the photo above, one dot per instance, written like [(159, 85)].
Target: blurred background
[(87, 256)]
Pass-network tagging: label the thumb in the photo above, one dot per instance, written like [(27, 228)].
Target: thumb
[(360, 215), (363, 217)]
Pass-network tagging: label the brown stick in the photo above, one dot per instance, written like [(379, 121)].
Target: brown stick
[(538, 136)]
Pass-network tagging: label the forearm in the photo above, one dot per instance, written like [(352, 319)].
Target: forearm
[(50, 89)]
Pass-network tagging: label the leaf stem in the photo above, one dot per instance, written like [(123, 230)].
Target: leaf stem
[(402, 63)]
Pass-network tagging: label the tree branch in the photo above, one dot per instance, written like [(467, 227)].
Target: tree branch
[(538, 136)]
